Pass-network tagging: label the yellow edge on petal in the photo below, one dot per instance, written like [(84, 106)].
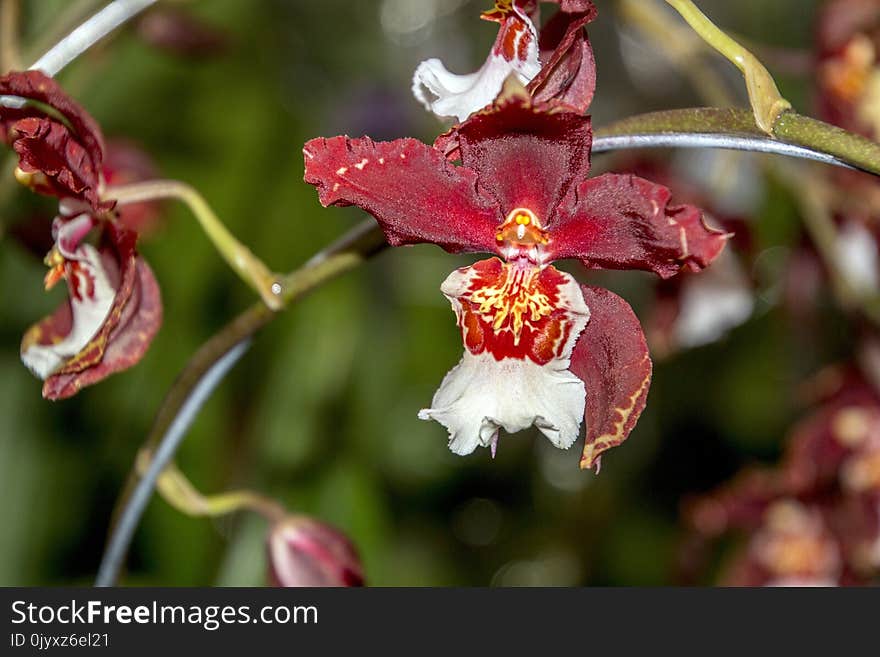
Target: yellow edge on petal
[(593, 450)]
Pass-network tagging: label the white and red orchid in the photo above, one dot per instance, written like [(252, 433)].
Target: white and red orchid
[(114, 308), (110, 317), (556, 61), (540, 349)]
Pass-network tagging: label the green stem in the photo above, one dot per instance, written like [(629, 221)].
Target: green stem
[(180, 493), (791, 128), (767, 103), (242, 260), (10, 52), (353, 248)]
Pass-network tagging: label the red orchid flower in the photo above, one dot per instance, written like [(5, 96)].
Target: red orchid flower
[(539, 348), (114, 308), (555, 64), (61, 154)]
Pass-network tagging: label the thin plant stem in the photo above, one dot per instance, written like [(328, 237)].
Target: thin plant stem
[(242, 260), (10, 52), (73, 14), (180, 493), (711, 127), (683, 47), (353, 248), (766, 101), (117, 548)]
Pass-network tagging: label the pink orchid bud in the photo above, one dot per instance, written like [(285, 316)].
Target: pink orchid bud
[(305, 552)]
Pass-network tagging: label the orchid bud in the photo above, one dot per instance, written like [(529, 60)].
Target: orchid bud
[(305, 552)]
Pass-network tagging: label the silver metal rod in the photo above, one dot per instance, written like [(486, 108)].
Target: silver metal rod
[(117, 547), (88, 34), (708, 140)]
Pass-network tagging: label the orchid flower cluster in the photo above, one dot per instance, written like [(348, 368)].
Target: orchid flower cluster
[(814, 519)]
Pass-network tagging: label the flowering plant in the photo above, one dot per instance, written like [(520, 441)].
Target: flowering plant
[(748, 272)]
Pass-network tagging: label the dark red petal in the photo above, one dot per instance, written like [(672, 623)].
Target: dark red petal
[(35, 85), (126, 344), (67, 154), (611, 358), (125, 335), (525, 154), (568, 73), (47, 147), (624, 222), (410, 188)]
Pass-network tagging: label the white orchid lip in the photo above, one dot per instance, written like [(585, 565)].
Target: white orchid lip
[(482, 395), (91, 296), (519, 323), (448, 94)]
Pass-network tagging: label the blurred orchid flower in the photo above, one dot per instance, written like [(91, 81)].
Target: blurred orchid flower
[(305, 552)]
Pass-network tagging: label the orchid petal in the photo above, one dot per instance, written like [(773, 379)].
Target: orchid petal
[(91, 297), (618, 221), (59, 158), (568, 74), (482, 395), (525, 155), (410, 188), (127, 342), (515, 52), (611, 358), (83, 343)]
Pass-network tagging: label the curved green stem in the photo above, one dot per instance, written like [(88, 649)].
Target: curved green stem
[(242, 260), (767, 103), (180, 493), (353, 248)]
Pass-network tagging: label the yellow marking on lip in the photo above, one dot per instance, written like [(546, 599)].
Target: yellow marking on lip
[(513, 304)]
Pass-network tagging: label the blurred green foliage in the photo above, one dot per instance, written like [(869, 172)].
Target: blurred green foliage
[(322, 412)]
